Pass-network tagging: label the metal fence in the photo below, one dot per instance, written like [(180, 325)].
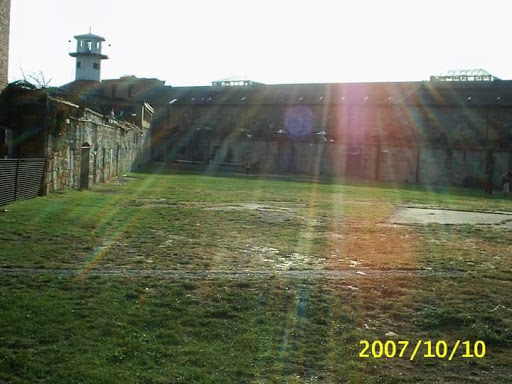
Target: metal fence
[(20, 179)]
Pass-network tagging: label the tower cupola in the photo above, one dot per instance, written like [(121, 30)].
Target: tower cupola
[(88, 57)]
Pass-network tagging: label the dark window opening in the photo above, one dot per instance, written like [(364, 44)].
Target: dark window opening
[(96, 65), (78, 64)]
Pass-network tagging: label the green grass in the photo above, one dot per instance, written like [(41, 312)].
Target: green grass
[(178, 277)]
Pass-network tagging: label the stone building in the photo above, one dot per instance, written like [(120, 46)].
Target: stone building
[(5, 9), (91, 148), (81, 147), (441, 131), (124, 98), (74, 136)]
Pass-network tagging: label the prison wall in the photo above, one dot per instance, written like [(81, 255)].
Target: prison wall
[(112, 147), (412, 142)]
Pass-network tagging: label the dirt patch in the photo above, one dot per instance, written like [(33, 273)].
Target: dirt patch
[(172, 240), (269, 213), (122, 180), (150, 203), (272, 258), (415, 215), (104, 191), (365, 243), (246, 206), (361, 247)]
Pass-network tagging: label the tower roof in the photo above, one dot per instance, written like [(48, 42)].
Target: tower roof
[(89, 36)]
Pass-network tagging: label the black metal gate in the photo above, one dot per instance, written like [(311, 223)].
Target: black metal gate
[(20, 179)]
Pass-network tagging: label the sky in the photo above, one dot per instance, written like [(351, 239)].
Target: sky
[(279, 41)]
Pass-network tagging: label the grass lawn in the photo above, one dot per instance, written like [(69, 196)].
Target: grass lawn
[(169, 276)]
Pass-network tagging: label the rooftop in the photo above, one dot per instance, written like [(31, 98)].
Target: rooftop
[(89, 36)]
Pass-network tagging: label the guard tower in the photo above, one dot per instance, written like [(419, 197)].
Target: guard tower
[(88, 57)]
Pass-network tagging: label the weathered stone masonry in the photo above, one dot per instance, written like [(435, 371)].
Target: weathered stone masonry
[(5, 8), (81, 147), (114, 147)]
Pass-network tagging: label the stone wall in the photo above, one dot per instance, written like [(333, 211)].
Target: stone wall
[(423, 165), (113, 147), (5, 7), (397, 164), (325, 159), (460, 167)]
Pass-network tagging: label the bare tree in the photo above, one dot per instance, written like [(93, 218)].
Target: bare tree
[(38, 79)]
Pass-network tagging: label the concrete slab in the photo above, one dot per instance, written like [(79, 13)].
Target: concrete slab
[(413, 215)]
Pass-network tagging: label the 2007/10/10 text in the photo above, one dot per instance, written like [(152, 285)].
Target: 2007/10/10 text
[(438, 349)]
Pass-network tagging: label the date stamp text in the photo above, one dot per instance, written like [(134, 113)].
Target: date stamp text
[(427, 349)]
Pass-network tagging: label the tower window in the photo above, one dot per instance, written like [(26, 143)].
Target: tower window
[(78, 64), (89, 45), (96, 65)]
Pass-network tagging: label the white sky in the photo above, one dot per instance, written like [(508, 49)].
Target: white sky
[(194, 42)]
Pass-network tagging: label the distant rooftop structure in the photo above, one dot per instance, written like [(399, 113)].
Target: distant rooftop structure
[(464, 75), (233, 83)]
